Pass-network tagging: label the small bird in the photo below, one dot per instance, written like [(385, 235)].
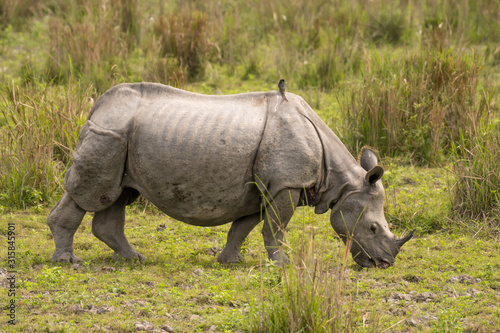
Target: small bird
[(282, 87)]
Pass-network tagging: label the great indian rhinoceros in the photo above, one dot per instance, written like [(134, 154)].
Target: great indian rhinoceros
[(210, 160)]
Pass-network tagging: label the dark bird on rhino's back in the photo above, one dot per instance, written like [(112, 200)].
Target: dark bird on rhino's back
[(282, 88)]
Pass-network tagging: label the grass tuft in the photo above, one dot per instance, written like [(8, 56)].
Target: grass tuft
[(307, 295), (13, 12), (92, 42), (387, 26), (39, 132), (414, 104), (183, 36), (477, 187)]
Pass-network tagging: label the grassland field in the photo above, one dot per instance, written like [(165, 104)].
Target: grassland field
[(416, 80)]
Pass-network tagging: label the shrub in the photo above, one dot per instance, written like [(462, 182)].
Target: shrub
[(92, 42), (183, 36), (166, 71), (387, 25), (306, 296)]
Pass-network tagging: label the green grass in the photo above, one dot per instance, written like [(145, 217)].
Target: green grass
[(415, 103), (410, 78), (418, 197), (308, 295), (181, 278), (40, 128), (477, 186)]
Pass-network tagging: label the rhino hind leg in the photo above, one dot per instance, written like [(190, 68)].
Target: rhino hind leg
[(237, 233), (63, 220), (108, 226), (277, 215)]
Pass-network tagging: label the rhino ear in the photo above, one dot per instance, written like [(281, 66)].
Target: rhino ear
[(367, 159), (374, 174)]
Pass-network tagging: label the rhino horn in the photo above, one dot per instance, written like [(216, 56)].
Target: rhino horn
[(400, 242)]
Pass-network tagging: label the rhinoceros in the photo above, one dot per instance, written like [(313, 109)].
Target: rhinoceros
[(210, 160)]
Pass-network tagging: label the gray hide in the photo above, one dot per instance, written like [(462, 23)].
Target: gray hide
[(210, 160)]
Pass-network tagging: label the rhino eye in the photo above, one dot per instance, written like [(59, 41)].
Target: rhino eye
[(373, 228)]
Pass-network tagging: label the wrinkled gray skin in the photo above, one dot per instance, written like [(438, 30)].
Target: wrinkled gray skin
[(210, 160)]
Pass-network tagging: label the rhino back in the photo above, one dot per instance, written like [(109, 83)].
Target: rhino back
[(115, 109), (192, 155)]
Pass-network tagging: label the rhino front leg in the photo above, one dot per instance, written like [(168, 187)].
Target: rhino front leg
[(277, 215), (63, 220), (237, 233), (108, 225)]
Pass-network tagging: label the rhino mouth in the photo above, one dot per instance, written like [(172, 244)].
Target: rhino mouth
[(369, 261), (379, 263), (383, 258), (382, 263)]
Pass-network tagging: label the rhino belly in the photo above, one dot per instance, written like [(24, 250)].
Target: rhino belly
[(196, 164)]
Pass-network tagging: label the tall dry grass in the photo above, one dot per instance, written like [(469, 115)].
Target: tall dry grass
[(307, 295), (15, 12), (92, 41), (414, 104), (183, 37), (312, 44), (40, 126), (477, 187)]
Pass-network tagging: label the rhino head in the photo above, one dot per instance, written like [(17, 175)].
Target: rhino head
[(358, 218)]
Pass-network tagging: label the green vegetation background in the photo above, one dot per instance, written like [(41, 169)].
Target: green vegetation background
[(417, 80)]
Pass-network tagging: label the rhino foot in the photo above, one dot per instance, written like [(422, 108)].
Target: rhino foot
[(126, 256), (65, 257), (279, 257), (227, 257)]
